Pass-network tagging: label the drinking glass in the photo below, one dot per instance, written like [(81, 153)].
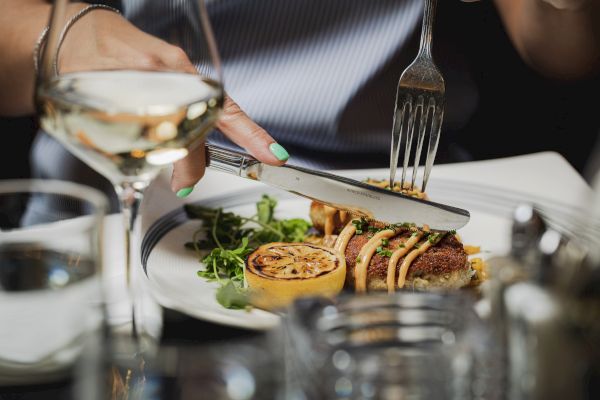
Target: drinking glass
[(128, 119), (241, 369), (410, 345), (50, 286)]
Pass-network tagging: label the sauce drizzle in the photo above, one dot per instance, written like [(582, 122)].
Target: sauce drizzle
[(329, 223), (364, 258), (432, 240), (344, 238), (366, 254), (396, 256)]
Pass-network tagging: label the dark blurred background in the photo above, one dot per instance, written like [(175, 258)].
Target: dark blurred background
[(518, 111)]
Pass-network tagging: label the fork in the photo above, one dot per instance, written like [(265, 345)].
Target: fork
[(420, 99)]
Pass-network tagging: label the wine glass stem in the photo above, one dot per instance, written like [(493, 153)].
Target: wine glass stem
[(130, 196)]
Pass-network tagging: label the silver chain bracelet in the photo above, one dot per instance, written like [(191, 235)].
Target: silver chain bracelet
[(37, 50)]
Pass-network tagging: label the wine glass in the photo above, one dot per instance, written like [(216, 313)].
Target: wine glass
[(125, 117)]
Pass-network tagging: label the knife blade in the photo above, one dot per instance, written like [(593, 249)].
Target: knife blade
[(340, 192)]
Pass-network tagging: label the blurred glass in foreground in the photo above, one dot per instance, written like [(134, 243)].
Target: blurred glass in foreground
[(50, 289), (249, 369), (412, 345), (545, 302)]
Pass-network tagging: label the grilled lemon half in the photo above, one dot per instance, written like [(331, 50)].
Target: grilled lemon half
[(277, 273)]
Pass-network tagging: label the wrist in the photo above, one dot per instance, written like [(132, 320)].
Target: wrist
[(40, 44), (74, 13)]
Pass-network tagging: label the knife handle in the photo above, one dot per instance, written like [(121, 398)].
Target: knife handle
[(230, 161)]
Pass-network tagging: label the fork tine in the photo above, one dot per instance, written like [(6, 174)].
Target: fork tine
[(419, 80), (421, 136), (434, 139), (398, 124), (409, 138)]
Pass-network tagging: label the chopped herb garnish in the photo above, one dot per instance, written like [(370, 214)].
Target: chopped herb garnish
[(401, 246), (434, 238), (385, 242), (384, 252), (359, 224), (357, 259)]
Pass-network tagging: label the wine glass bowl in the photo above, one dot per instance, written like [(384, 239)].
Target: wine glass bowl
[(127, 114), (128, 124)]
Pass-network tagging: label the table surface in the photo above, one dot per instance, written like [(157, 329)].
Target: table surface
[(536, 174)]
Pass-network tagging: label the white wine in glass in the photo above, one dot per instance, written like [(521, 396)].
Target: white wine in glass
[(129, 121), (129, 124)]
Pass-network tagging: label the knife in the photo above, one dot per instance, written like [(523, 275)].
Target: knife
[(339, 192)]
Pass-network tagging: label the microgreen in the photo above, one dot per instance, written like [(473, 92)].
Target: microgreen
[(227, 239)]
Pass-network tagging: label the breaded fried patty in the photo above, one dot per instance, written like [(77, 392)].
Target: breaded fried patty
[(445, 265)]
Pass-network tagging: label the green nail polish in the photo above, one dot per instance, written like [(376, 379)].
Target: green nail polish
[(279, 152), (185, 192)]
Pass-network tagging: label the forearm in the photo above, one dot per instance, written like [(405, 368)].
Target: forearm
[(21, 22), (558, 43)]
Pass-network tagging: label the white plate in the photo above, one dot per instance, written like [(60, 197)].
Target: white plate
[(172, 269)]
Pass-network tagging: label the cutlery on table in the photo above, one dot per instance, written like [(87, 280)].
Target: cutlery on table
[(339, 192)]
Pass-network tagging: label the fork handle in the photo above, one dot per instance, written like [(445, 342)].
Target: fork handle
[(427, 27)]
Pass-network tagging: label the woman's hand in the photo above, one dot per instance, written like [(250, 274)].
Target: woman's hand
[(238, 127), (106, 40)]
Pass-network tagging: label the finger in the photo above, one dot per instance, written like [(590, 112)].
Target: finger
[(177, 60), (237, 126), (188, 171)]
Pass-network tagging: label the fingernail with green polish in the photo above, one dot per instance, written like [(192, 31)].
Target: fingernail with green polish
[(185, 192), (279, 152)]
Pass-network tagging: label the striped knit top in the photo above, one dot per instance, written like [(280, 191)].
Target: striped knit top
[(318, 75)]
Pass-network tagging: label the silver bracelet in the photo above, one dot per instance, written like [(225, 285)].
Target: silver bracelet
[(39, 44), (37, 49)]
